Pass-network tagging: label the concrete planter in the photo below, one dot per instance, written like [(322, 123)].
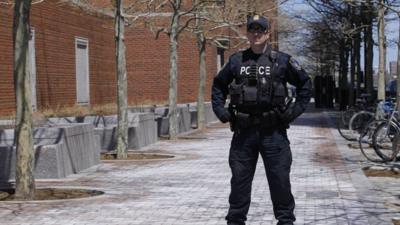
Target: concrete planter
[(184, 120), (209, 114), (59, 151), (142, 129)]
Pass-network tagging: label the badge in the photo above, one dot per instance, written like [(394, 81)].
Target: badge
[(294, 63)]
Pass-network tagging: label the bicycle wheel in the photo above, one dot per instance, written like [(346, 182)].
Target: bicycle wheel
[(366, 143), (343, 124), (382, 140), (396, 146), (359, 122)]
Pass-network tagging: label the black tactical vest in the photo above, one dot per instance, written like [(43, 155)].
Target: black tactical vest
[(257, 87)]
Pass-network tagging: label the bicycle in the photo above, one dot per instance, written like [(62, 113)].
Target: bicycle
[(343, 123), (376, 140), (383, 138)]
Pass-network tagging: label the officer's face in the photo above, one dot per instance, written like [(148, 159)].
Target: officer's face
[(257, 35)]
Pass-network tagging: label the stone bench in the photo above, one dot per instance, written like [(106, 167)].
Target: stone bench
[(142, 129), (184, 121), (59, 151), (209, 114)]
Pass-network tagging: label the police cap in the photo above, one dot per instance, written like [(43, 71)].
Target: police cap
[(258, 21)]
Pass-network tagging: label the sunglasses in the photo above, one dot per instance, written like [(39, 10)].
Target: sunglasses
[(256, 29)]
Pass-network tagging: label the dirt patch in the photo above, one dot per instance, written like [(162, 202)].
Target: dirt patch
[(327, 153), (137, 156), (52, 194), (396, 221), (356, 145), (381, 171)]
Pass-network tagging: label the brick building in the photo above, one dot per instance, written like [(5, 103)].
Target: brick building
[(73, 60)]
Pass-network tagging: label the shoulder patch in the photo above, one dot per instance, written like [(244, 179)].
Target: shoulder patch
[(274, 54), (294, 63)]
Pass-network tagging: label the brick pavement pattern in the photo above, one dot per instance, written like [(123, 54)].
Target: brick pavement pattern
[(193, 189)]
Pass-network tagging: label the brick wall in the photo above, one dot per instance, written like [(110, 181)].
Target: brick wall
[(56, 26), (148, 67), (7, 97)]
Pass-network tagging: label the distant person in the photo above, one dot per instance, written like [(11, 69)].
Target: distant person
[(260, 112), (391, 89)]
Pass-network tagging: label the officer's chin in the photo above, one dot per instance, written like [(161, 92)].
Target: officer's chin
[(259, 43)]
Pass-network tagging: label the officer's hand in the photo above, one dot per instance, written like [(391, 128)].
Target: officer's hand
[(287, 115), (225, 116)]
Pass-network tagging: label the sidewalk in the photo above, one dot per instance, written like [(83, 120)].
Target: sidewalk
[(193, 189)]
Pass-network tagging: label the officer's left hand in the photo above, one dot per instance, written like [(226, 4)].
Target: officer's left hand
[(225, 116), (286, 116)]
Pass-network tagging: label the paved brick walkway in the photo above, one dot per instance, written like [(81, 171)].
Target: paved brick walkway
[(193, 189)]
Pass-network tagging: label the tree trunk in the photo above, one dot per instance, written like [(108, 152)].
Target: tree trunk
[(368, 48), (398, 69), (24, 179), (352, 74), (343, 70), (122, 129), (357, 48), (173, 77), (351, 11), (382, 51), (201, 43)]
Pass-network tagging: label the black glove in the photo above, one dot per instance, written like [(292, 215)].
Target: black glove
[(286, 115), (225, 116)]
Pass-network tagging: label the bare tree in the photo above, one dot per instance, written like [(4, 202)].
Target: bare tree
[(120, 58), (174, 32), (353, 17), (209, 17), (394, 8), (382, 51), (180, 15), (337, 32), (122, 87), (24, 180), (201, 44), (398, 67)]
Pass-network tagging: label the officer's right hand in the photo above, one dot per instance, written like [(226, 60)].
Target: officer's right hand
[(225, 116)]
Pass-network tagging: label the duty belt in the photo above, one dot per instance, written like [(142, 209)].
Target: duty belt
[(266, 119)]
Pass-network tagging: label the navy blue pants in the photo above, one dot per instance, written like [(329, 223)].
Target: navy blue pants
[(273, 146)]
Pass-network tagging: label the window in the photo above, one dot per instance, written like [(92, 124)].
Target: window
[(82, 70), (32, 68)]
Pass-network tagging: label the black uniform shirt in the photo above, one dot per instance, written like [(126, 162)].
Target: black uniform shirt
[(281, 65)]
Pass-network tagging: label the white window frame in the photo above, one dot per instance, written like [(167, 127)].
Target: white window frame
[(32, 68), (85, 41)]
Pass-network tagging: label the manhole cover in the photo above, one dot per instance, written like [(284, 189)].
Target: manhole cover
[(137, 156), (322, 194), (44, 194)]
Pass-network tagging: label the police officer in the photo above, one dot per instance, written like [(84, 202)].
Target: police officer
[(260, 112)]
